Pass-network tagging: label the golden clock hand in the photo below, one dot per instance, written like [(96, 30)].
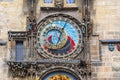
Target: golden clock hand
[(61, 32), (64, 25)]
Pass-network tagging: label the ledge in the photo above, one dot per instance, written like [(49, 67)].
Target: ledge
[(110, 41), (47, 61), (17, 35), (58, 9)]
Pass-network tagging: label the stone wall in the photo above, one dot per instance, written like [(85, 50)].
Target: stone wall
[(105, 16), (105, 64), (11, 19)]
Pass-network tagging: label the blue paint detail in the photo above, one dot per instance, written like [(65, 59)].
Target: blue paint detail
[(38, 39), (83, 29), (69, 30), (111, 47), (19, 50), (55, 36), (70, 1), (29, 27), (47, 1), (72, 77)]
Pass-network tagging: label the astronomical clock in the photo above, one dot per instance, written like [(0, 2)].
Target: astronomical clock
[(56, 43), (59, 36)]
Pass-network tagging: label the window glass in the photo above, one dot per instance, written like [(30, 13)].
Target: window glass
[(70, 1), (47, 1)]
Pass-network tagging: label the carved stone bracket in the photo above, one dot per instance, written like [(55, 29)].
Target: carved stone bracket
[(17, 69), (15, 35), (28, 69), (59, 3)]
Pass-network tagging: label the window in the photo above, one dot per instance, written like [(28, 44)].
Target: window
[(19, 50), (47, 1), (70, 1)]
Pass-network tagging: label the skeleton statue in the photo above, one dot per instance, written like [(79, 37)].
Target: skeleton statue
[(59, 3)]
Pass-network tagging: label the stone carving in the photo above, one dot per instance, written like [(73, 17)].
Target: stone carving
[(111, 47), (115, 67), (59, 3), (35, 71), (31, 23)]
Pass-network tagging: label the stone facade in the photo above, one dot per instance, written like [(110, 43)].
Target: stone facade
[(12, 19), (105, 14), (105, 64)]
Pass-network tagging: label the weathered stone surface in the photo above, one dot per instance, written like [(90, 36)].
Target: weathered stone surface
[(107, 69), (113, 78), (94, 75), (106, 23), (117, 75), (115, 67)]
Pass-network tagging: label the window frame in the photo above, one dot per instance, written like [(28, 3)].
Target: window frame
[(43, 4), (70, 4)]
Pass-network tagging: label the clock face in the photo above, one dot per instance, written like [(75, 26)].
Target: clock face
[(59, 37)]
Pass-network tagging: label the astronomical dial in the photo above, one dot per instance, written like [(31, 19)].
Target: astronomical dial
[(59, 36), (59, 75)]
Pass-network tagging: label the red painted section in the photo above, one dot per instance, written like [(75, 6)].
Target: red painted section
[(48, 39), (72, 43), (118, 46)]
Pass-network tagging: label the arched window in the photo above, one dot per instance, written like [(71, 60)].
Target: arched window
[(70, 1), (48, 1)]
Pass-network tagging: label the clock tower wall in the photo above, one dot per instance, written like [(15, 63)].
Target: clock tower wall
[(106, 31), (104, 41)]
